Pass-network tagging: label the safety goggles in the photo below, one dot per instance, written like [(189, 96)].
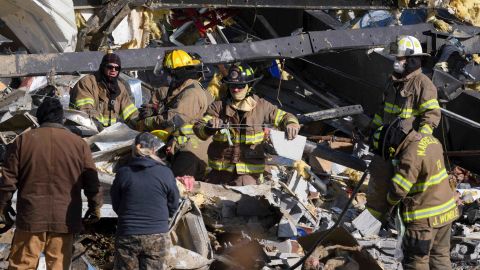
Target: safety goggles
[(237, 86), (112, 67)]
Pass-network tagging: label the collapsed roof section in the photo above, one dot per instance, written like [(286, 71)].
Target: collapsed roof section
[(42, 26)]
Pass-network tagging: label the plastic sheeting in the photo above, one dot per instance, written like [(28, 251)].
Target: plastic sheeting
[(43, 26)]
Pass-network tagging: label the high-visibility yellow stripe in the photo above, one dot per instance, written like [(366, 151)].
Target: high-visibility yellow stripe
[(221, 166), (243, 168), (402, 182), (433, 180), (374, 213), (207, 118), (401, 112), (104, 120), (279, 117), (246, 139), (377, 120), (128, 111), (249, 168), (426, 129), (203, 134), (430, 104), (181, 139), (430, 211), (84, 101), (187, 129), (391, 201)]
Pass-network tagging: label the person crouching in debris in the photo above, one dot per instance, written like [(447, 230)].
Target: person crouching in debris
[(49, 166), (186, 102), (236, 154), (409, 94), (103, 96), (144, 195), (421, 191)]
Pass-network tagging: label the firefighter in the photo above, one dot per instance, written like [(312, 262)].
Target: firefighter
[(186, 101), (236, 155), (409, 94), (103, 97), (421, 190)]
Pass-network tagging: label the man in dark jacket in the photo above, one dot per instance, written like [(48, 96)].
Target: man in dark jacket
[(49, 166), (103, 96), (144, 195)]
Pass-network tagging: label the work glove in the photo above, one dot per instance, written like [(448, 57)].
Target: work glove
[(91, 216), (147, 110), (97, 123), (292, 130), (187, 180), (5, 219), (214, 125)]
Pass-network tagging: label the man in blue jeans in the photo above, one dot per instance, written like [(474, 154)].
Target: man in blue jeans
[(144, 195)]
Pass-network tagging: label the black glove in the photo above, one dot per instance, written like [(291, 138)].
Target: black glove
[(292, 130), (5, 218), (99, 125), (213, 125), (92, 216), (147, 110)]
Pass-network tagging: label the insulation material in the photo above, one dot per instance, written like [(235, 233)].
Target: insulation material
[(43, 26), (467, 10), (129, 33)]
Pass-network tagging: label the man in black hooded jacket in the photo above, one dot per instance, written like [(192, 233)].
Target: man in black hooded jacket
[(103, 97)]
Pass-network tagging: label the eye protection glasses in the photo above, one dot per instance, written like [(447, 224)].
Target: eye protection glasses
[(237, 86), (112, 67)]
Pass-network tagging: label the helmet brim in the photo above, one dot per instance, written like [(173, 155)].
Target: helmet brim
[(238, 83), (417, 54)]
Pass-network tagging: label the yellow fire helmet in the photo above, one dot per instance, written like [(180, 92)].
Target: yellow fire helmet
[(161, 134), (179, 59)]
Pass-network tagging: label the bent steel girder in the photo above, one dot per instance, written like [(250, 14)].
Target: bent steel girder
[(279, 48), (287, 4)]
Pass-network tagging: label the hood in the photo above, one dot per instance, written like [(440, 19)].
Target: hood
[(143, 162)]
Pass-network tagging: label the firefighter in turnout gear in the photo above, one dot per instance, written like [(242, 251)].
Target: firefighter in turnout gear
[(421, 190), (103, 97), (236, 155), (409, 94), (186, 102)]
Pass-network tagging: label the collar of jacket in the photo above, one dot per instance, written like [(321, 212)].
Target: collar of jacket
[(231, 111), (52, 125), (413, 136), (185, 85), (408, 77), (144, 162)]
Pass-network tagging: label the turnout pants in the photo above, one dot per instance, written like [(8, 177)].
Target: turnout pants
[(191, 159), (231, 178), (26, 249), (381, 173), (150, 251), (427, 248)]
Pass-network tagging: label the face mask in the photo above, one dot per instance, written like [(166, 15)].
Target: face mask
[(398, 67), (239, 95)]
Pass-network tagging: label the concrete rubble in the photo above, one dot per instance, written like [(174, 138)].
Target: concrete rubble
[(271, 225)]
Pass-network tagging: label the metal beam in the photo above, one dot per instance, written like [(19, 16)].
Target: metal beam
[(330, 114), (460, 118), (292, 4), (146, 59)]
